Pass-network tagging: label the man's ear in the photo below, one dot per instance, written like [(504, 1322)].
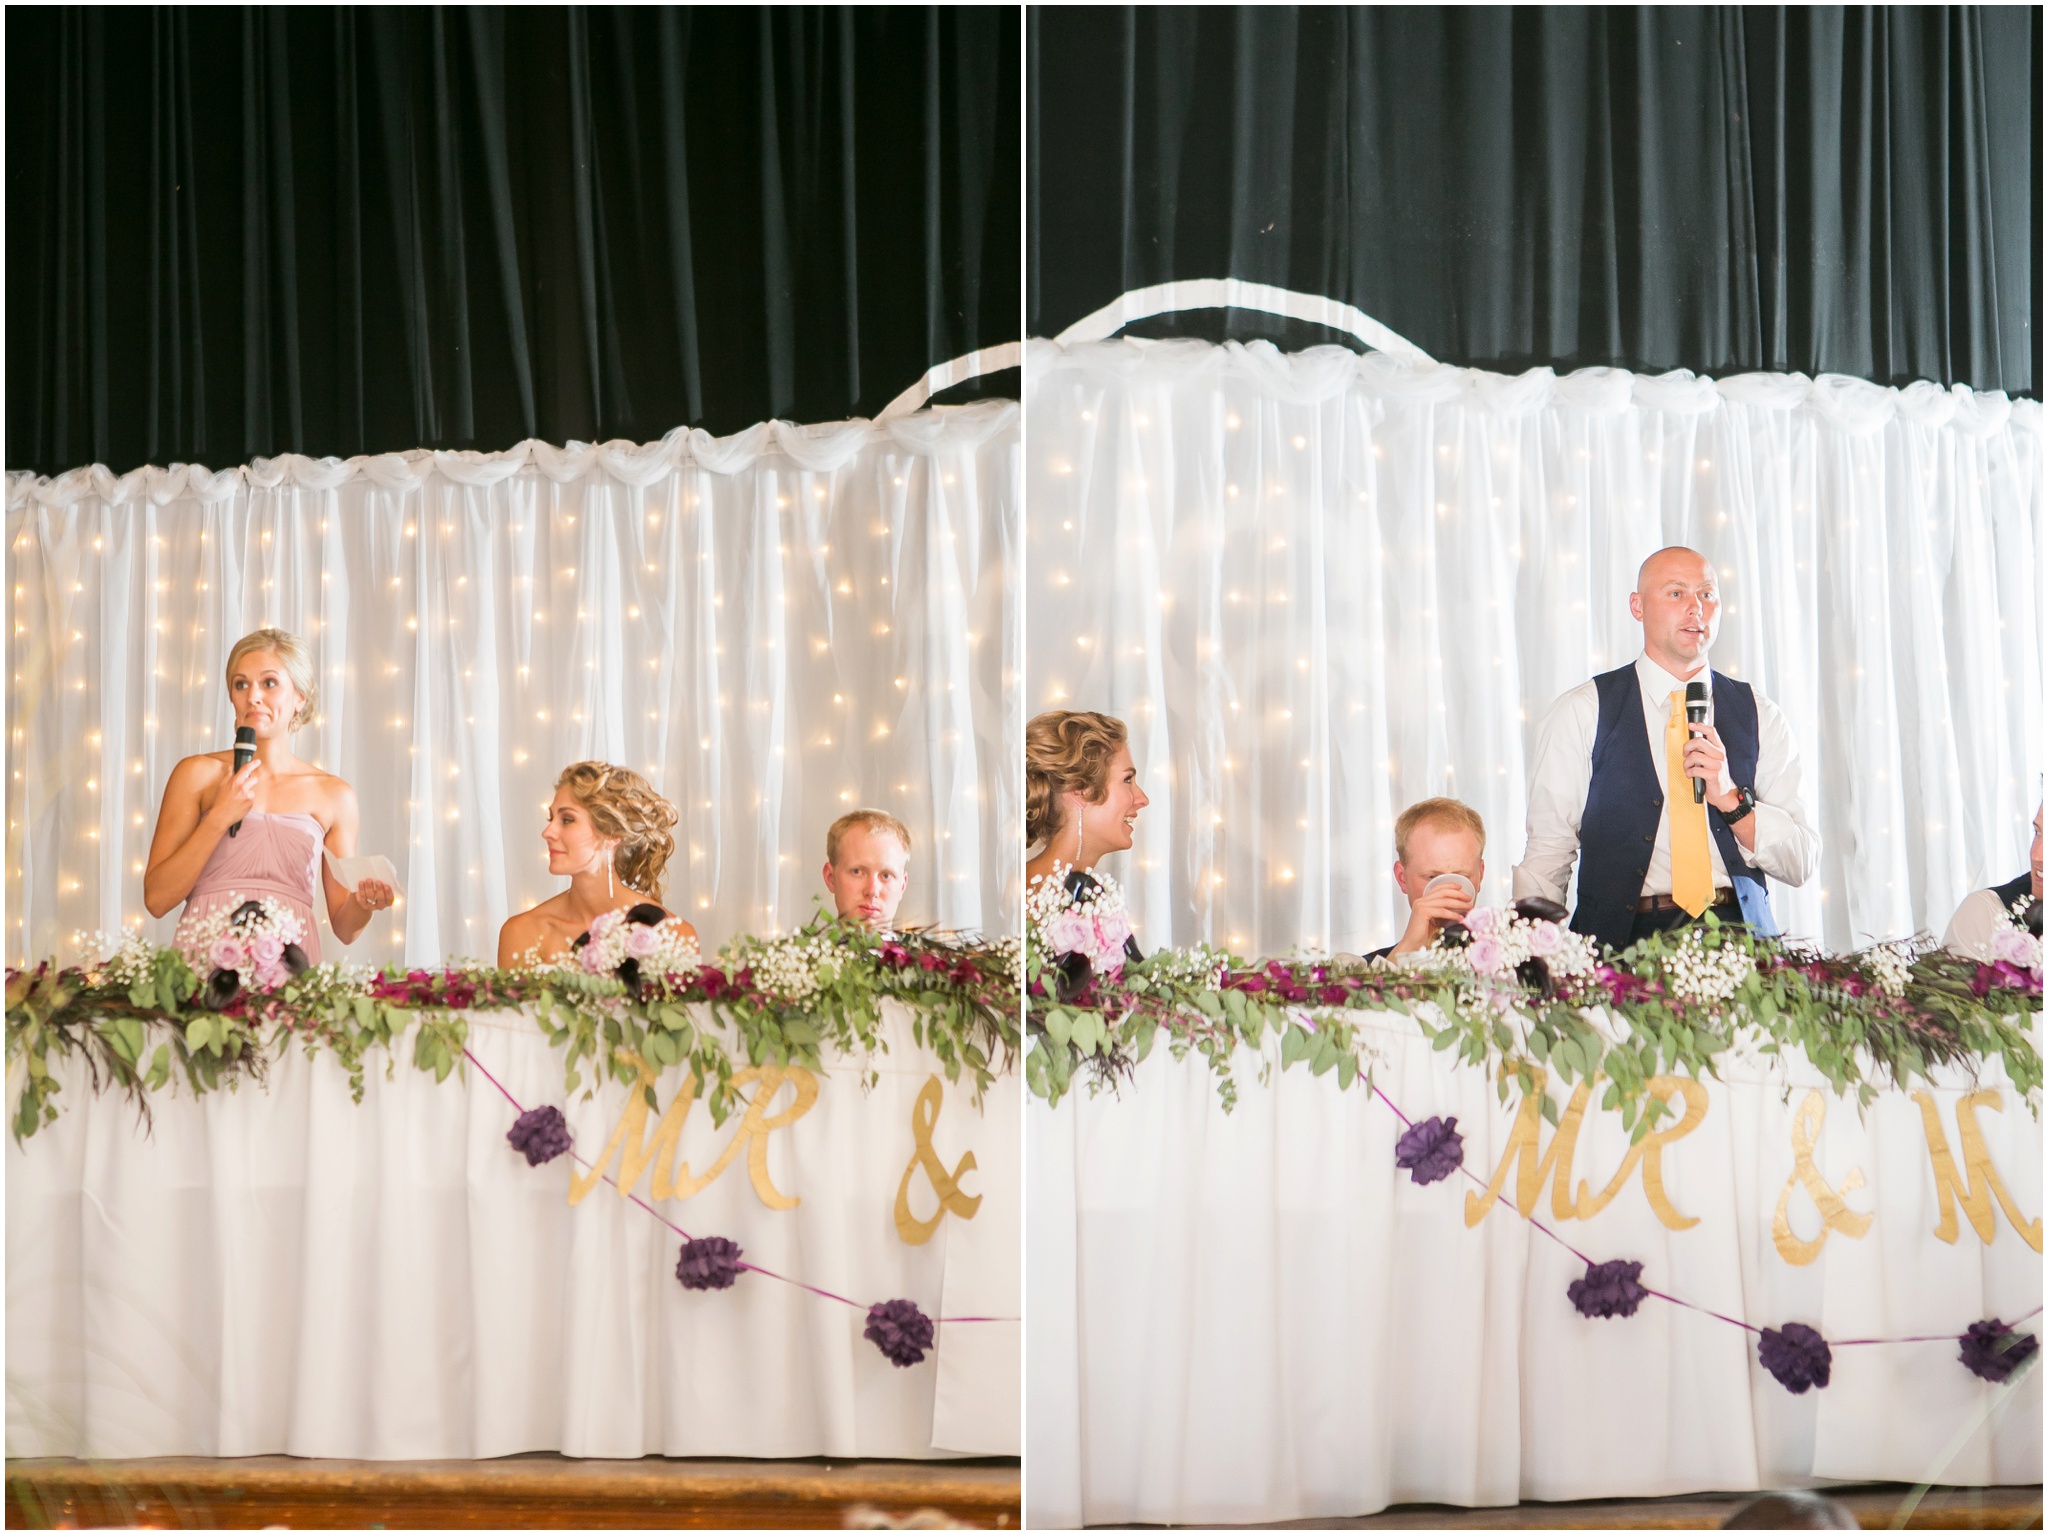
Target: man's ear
[(1635, 606), (1400, 877), (1482, 873), (830, 883)]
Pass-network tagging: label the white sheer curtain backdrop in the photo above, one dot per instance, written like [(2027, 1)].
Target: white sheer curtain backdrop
[(1322, 586), (774, 627)]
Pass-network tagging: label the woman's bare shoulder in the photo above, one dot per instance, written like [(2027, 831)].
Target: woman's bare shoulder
[(203, 768)]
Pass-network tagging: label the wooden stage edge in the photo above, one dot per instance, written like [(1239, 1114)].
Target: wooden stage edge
[(1875, 1506), (539, 1491)]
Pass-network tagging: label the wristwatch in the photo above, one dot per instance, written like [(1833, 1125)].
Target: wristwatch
[(1745, 802)]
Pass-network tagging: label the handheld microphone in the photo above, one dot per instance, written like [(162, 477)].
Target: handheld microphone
[(1696, 714), (245, 748)]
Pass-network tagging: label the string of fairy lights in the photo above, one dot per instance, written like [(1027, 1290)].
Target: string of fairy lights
[(769, 645), (1319, 594)]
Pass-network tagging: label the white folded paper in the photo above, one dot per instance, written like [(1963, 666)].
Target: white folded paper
[(351, 872)]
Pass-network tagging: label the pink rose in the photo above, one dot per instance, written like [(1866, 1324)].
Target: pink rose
[(606, 921), (1486, 955), (1066, 932), (590, 961), (228, 953), (1481, 920), (2010, 945), (266, 948), (270, 974), (1544, 938), (642, 940)]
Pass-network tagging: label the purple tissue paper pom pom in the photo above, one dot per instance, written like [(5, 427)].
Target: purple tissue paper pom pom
[(1431, 1150), (900, 1331), (1993, 1350), (1796, 1356), (542, 1134), (709, 1263), (1609, 1289)]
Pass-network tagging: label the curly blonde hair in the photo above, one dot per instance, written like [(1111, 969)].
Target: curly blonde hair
[(624, 805), (1065, 750), (298, 665)]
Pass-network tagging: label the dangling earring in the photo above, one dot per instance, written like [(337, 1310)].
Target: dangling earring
[(610, 893), (1080, 834)]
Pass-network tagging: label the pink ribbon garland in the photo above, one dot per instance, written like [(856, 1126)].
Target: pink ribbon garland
[(643, 1204), (1673, 1299)]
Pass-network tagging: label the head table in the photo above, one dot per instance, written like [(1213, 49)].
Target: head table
[(278, 1269), (1256, 1316)]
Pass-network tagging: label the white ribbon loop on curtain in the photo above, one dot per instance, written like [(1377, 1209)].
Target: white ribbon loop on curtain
[(990, 359), (1233, 293)]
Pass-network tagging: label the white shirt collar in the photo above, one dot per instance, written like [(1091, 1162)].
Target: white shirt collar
[(1658, 683)]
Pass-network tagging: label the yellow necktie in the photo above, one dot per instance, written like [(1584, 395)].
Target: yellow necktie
[(1692, 867)]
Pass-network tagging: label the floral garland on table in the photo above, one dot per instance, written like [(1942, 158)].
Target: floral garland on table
[(1093, 1012), (1509, 989), (144, 1016), (618, 997), (1514, 991)]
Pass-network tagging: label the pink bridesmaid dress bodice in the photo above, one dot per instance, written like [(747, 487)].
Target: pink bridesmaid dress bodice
[(275, 855)]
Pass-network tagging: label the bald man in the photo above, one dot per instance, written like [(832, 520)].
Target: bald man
[(1613, 754)]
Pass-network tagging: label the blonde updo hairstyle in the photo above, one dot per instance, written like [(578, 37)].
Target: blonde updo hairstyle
[(1065, 750), (290, 651), (622, 804)]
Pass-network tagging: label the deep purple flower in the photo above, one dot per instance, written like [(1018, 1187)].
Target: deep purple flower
[(1431, 1150), (709, 1263), (1535, 974), (900, 1331), (1608, 1289), (1992, 1350), (541, 1134), (1535, 908), (221, 987), (1796, 1356)]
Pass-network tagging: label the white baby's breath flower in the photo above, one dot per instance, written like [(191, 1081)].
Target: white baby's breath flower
[(1701, 975), (1892, 966), (796, 968)]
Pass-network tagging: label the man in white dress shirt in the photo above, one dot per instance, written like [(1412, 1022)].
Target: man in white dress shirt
[(1614, 758), (1983, 912)]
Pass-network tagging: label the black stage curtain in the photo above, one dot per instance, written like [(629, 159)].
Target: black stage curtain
[(332, 230), (1725, 189)]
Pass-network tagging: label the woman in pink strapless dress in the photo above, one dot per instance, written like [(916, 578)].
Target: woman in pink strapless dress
[(223, 837)]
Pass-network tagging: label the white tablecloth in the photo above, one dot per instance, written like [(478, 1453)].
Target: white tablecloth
[(1256, 1316), (280, 1270)]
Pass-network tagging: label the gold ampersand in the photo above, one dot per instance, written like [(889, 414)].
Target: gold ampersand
[(1979, 1182), (636, 1152), (1835, 1215), (924, 1117)]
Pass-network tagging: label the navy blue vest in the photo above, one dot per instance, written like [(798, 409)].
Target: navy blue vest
[(1625, 801)]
